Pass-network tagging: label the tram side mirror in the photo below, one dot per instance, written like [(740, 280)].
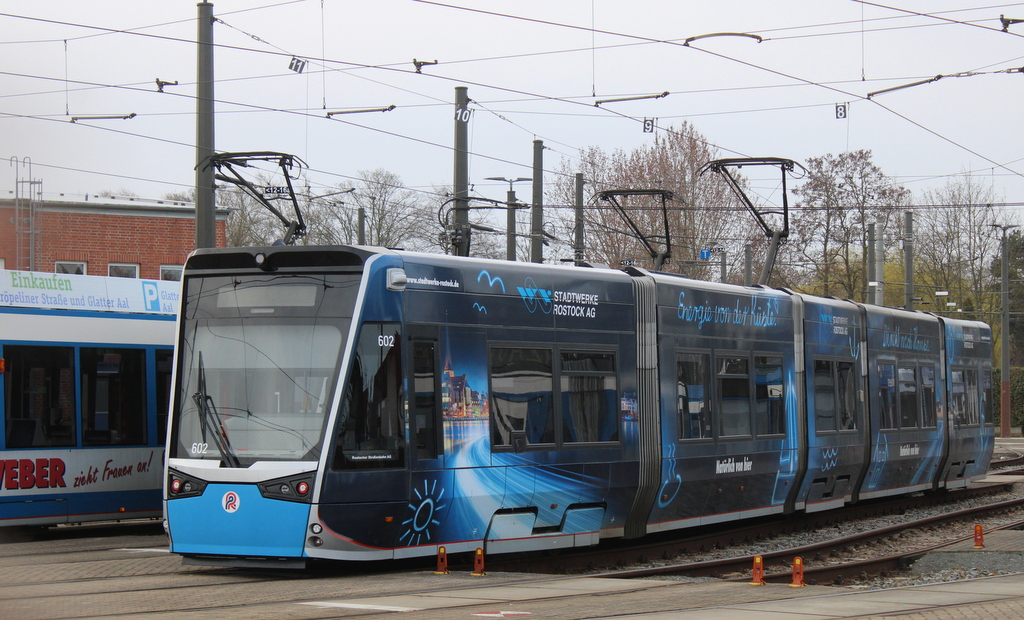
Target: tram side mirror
[(519, 441)]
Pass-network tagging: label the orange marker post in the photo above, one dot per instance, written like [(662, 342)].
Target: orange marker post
[(758, 579), (798, 573), (478, 563), (979, 537), (442, 561)]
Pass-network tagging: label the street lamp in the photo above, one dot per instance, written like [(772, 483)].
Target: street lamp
[(510, 239), (1004, 364)]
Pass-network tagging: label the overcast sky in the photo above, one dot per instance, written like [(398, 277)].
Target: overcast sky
[(534, 71)]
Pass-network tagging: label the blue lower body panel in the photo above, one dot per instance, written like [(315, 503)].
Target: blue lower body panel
[(236, 520)]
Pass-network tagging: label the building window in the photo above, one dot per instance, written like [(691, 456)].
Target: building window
[(123, 270), (73, 267), (170, 272)]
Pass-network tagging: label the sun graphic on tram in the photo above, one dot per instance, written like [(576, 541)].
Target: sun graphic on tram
[(418, 526)]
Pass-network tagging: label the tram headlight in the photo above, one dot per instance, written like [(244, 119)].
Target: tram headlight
[(316, 541), (316, 528), (297, 488), (179, 485)]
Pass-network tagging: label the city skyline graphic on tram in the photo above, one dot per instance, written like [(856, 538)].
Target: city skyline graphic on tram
[(457, 502)]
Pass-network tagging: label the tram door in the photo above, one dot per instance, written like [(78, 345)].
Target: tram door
[(426, 427)]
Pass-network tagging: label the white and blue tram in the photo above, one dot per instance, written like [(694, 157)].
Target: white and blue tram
[(357, 403), (86, 377)]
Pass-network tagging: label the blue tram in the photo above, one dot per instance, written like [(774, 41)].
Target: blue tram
[(85, 381), (357, 403)]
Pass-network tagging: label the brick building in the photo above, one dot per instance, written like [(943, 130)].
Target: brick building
[(100, 235)]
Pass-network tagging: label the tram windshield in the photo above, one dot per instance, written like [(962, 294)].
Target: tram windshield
[(259, 362)]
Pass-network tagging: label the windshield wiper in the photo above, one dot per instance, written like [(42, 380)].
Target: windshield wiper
[(210, 419)]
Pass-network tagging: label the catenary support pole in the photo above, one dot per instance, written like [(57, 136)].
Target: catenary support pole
[(880, 266), (748, 262), (537, 219), (869, 289), (908, 261), (206, 225), (1004, 358), (510, 224), (578, 241), (461, 180)]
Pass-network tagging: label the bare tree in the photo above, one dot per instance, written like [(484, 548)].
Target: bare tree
[(181, 196), (249, 223), (704, 210), (841, 196), (393, 216), (954, 235)]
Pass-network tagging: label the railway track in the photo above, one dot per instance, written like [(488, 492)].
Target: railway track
[(832, 560), (620, 555)]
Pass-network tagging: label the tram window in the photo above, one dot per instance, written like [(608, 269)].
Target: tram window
[(589, 397), (521, 395), (40, 396), (824, 396), (887, 395), (734, 392), (424, 401), (986, 397), (769, 395), (846, 395), (928, 415), (973, 397), (371, 427), (163, 391), (113, 396), (693, 395), (908, 396), (958, 397)]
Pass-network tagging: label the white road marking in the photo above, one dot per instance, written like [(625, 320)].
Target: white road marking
[(328, 605)]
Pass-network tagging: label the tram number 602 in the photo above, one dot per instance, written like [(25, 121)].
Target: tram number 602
[(200, 448), (386, 340)]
